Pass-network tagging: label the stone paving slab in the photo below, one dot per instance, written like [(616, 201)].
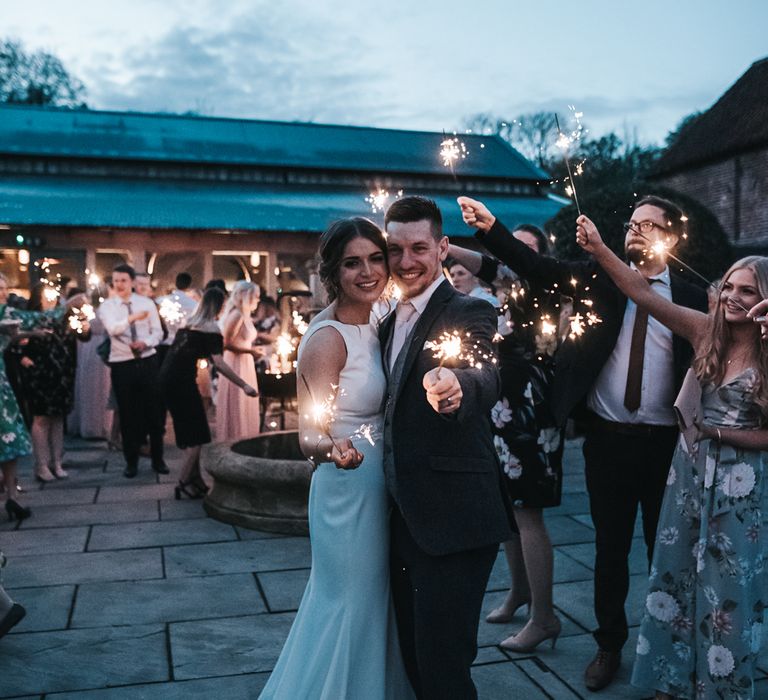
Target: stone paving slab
[(143, 602), (243, 687), (47, 607), (93, 514), (52, 569), (547, 680), (585, 554), (564, 529), (565, 569), (246, 534), (503, 680), (59, 494), (238, 557), (157, 534), (42, 662), (43, 541), (132, 494), (181, 510), (246, 644), (283, 589)]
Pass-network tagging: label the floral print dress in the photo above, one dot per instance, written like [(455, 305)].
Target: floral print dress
[(701, 629), (14, 438)]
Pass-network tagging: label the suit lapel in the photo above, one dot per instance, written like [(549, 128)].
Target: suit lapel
[(420, 333), (385, 341)]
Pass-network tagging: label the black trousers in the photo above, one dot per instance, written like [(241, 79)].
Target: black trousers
[(623, 471), (437, 600), (137, 390)]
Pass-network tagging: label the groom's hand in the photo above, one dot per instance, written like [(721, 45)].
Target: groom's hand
[(443, 390)]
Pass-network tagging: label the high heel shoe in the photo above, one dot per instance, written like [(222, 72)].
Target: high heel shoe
[(191, 489), (498, 617), (59, 472), (15, 511), (528, 638), (43, 475)]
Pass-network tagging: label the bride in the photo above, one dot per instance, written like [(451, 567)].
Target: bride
[(343, 643)]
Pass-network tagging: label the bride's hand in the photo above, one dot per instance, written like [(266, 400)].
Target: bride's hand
[(345, 456)]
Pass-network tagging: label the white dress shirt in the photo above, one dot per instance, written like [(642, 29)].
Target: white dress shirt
[(658, 386), (403, 330), (113, 313), (480, 293)]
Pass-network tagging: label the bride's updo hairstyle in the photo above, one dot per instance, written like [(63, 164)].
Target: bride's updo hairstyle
[(333, 243)]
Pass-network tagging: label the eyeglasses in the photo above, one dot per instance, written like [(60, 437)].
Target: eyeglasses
[(642, 226)]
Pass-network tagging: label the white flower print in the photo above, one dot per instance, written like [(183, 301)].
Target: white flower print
[(711, 595), (528, 393), (669, 535), (698, 554), (671, 476), (643, 645), (8, 438), (549, 439), (662, 606), (682, 650), (742, 480), (511, 464), (501, 413), (720, 661), (720, 541)]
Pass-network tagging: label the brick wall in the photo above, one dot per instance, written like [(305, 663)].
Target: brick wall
[(736, 191)]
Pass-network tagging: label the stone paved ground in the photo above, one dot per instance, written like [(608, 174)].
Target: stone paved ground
[(131, 594)]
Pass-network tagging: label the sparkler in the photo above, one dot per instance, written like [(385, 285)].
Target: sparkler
[(284, 348), (379, 198), (323, 412), (299, 323), (564, 142), (171, 312), (452, 149), (452, 346), (79, 316)]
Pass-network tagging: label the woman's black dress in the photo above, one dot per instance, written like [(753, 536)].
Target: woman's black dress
[(178, 379), (48, 386), (527, 439)]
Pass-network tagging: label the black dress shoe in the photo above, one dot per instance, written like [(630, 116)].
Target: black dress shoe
[(602, 669), (161, 468), (12, 618), (130, 471)]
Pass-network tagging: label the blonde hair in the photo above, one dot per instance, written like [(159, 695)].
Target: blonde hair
[(710, 363), (242, 294)]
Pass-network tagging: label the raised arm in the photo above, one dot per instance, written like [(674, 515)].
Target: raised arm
[(687, 323), (469, 258), (542, 271)]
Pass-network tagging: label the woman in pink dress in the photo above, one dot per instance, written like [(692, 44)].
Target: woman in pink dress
[(237, 415)]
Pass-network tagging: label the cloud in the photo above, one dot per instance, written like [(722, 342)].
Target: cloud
[(258, 65)]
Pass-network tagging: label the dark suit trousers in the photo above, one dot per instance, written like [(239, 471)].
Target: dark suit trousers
[(437, 602), (137, 390), (623, 472)]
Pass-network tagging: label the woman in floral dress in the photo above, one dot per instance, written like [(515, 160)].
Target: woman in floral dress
[(14, 438), (526, 437), (701, 628)]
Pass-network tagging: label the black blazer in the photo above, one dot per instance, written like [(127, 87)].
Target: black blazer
[(578, 362), (445, 468)]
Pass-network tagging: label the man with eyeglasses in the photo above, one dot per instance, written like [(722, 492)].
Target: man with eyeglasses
[(619, 379)]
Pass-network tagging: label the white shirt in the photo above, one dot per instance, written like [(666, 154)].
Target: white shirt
[(113, 313), (480, 293), (658, 386), (403, 330), (187, 306)]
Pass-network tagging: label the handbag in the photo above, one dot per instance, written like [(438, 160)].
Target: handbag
[(103, 349)]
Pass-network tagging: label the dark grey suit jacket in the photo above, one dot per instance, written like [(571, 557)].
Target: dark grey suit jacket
[(442, 470)]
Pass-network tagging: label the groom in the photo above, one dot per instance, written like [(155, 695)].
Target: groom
[(442, 472)]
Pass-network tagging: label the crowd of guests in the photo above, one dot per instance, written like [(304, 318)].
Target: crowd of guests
[(700, 503)]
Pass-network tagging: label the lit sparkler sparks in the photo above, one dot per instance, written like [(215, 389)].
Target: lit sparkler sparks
[(451, 345), (51, 293), (284, 348), (379, 199), (299, 323), (171, 312), (564, 143), (78, 318), (365, 431), (323, 412), (452, 149), (580, 323)]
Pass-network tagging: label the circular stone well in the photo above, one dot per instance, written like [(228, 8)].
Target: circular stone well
[(261, 483)]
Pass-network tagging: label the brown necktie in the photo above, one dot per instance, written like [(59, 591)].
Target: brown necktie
[(636, 356)]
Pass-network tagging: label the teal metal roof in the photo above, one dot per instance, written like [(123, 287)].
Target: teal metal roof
[(162, 204), (189, 139)]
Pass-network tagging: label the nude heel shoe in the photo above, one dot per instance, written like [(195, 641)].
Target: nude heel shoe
[(528, 638), (498, 617)]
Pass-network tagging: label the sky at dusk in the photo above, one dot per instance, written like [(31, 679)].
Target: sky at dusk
[(633, 68)]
